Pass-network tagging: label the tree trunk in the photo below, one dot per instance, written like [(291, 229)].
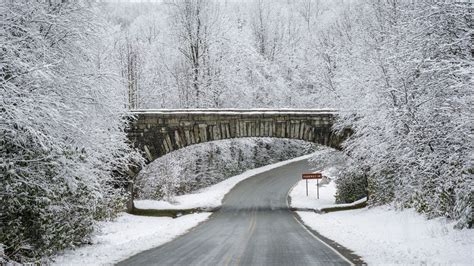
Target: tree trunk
[(130, 204)]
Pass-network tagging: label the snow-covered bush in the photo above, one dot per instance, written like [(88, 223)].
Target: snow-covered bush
[(351, 187), (205, 164), (61, 128), (351, 181)]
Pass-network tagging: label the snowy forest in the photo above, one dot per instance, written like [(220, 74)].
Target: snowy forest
[(399, 73)]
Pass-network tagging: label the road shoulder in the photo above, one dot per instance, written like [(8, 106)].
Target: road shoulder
[(383, 234), (296, 200), (343, 251)]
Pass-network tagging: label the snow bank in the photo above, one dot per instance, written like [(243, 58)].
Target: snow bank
[(210, 197), (128, 235), (382, 235), (301, 201), (385, 236)]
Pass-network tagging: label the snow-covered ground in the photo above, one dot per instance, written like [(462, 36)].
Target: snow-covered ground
[(300, 200), (382, 235), (128, 235), (212, 196), (385, 236)]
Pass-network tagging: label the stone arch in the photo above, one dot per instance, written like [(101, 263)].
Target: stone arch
[(158, 132)]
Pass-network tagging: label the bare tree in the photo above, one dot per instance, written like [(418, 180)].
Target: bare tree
[(309, 9), (194, 23)]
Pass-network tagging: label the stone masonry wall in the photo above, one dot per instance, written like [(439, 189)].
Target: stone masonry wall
[(158, 133)]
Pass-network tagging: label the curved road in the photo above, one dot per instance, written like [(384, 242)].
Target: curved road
[(253, 227)]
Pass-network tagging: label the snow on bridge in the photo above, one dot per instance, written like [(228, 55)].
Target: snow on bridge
[(159, 131)]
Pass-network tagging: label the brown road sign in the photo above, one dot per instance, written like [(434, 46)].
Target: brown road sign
[(316, 176), (312, 176)]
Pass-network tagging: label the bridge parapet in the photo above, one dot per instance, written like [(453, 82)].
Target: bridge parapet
[(158, 132)]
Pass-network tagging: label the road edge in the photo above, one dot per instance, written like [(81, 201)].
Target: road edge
[(342, 251), (119, 261)]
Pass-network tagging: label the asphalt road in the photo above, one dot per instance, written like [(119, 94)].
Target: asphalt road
[(253, 227)]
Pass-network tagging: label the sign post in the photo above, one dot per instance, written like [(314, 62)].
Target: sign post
[(306, 187), (316, 176), (317, 185)]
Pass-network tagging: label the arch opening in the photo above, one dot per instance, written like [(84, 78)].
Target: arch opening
[(201, 165)]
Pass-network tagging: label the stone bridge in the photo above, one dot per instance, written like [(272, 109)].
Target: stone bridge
[(158, 132)]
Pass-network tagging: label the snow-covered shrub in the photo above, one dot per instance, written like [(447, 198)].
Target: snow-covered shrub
[(351, 181), (61, 128), (351, 187), (205, 164)]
